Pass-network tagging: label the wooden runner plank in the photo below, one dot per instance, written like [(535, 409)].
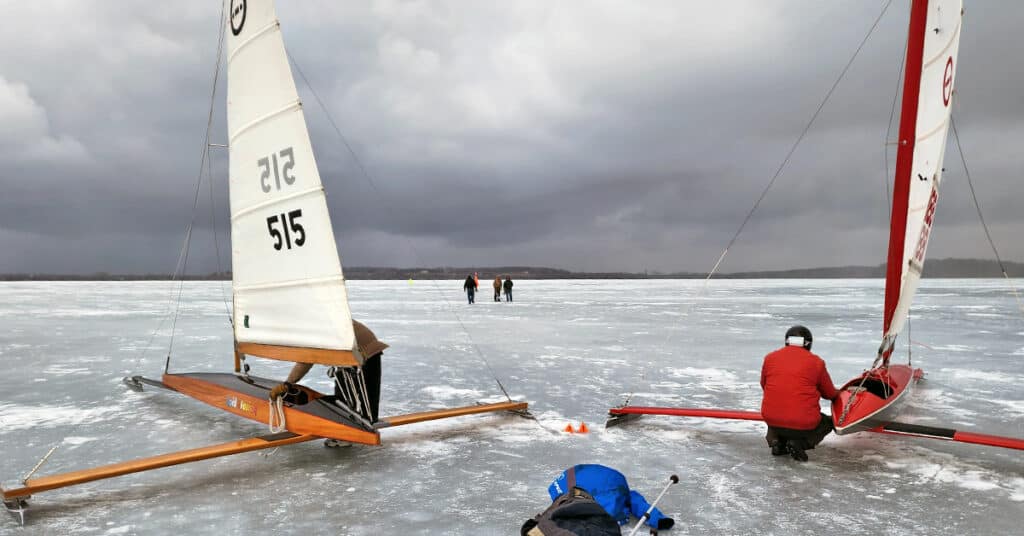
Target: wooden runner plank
[(46, 483), (409, 418)]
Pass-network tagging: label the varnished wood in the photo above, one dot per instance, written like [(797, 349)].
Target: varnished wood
[(319, 356), (410, 418), (72, 478), (258, 409)]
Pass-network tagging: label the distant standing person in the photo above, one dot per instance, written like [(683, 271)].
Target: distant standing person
[(508, 288), (470, 287), (497, 288)]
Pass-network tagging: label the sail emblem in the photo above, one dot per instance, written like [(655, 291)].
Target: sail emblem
[(237, 16), (947, 82), (926, 226)]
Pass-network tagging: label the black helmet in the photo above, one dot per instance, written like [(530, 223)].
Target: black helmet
[(801, 336)]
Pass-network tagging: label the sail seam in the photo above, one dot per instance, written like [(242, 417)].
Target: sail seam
[(932, 132), (942, 53), (276, 200), (273, 24), (291, 283), (294, 105)]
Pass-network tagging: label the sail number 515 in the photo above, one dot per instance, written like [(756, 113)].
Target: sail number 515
[(281, 169), (290, 231)]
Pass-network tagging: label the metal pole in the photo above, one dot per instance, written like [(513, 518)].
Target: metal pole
[(671, 480)]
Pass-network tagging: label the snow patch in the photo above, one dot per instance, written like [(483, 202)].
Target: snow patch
[(979, 375), (704, 373), (62, 370), (27, 417), (75, 440), (447, 392)]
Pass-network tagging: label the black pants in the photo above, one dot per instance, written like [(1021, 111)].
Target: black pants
[(809, 438), (371, 375)]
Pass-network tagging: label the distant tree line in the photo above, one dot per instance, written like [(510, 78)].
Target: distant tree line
[(937, 268)]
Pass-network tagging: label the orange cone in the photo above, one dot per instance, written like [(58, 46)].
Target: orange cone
[(583, 428), (568, 428)]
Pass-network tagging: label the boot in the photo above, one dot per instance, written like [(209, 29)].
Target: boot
[(778, 448), (796, 450)]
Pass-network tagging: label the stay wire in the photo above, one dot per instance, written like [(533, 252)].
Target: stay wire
[(216, 240), (782, 166), (199, 183), (390, 210), (179, 267), (799, 139), (977, 206), (888, 130)]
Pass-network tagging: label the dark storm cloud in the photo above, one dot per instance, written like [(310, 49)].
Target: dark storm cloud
[(587, 137)]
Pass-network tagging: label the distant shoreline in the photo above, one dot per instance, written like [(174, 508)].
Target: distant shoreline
[(938, 268)]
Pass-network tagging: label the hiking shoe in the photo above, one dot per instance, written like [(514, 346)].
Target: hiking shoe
[(796, 451), (778, 448), (334, 443)]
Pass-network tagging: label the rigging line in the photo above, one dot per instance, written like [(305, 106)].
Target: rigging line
[(216, 241), (909, 345), (981, 217), (188, 232), (778, 172), (799, 139), (166, 314), (373, 185), (199, 181), (888, 130)]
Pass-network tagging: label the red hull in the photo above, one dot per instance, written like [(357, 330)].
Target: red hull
[(625, 413), (880, 394)]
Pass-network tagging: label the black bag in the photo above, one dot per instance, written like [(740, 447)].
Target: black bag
[(575, 513)]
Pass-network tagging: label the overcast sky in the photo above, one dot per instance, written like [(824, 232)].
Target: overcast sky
[(598, 136)]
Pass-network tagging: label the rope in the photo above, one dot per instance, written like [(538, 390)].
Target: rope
[(888, 129), (782, 166), (199, 182), (180, 265), (276, 421), (981, 217), (799, 139), (390, 210), (216, 240)]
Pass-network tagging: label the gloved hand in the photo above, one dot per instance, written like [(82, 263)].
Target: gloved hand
[(666, 523), (280, 390)]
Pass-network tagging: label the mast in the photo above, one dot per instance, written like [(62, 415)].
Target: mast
[(288, 288), (932, 44)]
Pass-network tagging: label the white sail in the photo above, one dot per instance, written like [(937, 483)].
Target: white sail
[(290, 300), (938, 62)]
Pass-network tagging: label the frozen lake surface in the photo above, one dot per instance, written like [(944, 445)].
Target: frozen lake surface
[(572, 349)]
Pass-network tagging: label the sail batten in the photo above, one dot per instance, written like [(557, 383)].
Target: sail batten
[(290, 300), (294, 283), (933, 43), (270, 115), (282, 199)]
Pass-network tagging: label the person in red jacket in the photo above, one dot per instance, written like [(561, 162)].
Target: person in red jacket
[(793, 380)]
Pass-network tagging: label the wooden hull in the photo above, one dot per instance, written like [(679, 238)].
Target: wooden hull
[(249, 398), (883, 394), (246, 397)]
